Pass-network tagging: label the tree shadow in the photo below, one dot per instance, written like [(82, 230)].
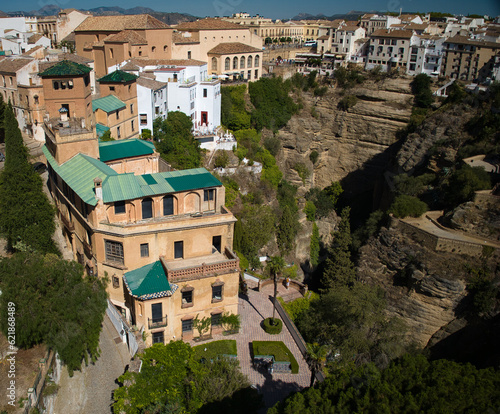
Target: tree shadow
[(276, 390), (247, 299)]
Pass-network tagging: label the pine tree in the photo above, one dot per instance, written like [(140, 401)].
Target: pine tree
[(26, 216), (339, 270), (286, 231)]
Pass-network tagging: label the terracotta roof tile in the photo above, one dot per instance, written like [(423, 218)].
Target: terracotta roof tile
[(13, 64), (150, 83), (126, 36), (398, 34), (464, 40), (232, 48), (32, 50), (324, 37), (119, 23), (35, 38), (209, 23)]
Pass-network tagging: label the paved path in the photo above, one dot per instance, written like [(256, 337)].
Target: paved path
[(258, 307), (90, 391)]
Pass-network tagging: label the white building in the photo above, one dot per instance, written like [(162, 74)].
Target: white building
[(151, 101), (426, 55), (189, 90)]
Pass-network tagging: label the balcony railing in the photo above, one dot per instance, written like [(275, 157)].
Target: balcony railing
[(157, 323), (229, 265)]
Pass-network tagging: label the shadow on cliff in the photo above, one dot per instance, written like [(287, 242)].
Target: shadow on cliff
[(365, 189), (476, 343)]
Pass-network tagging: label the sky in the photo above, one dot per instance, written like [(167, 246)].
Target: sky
[(275, 9)]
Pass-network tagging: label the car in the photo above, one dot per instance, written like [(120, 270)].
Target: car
[(2, 157)]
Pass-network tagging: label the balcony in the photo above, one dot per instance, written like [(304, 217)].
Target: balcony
[(157, 323), (201, 267), (67, 223)]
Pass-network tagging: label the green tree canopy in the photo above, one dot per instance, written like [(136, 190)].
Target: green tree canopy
[(176, 143), (407, 206), (339, 269), (26, 215), (54, 304), (421, 88), (172, 380), (409, 385)]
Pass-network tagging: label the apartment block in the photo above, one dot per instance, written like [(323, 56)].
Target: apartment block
[(389, 49)]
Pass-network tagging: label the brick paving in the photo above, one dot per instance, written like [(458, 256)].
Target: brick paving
[(253, 311)]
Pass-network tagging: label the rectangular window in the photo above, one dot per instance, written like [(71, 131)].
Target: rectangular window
[(217, 243), (156, 312), (131, 108), (216, 293), (187, 325), (114, 252), (118, 114), (187, 298), (119, 207), (55, 85), (189, 54), (144, 119), (112, 88), (208, 195), (216, 319), (178, 249), (256, 74), (144, 249), (118, 134), (158, 338), (116, 281), (132, 125), (205, 92)]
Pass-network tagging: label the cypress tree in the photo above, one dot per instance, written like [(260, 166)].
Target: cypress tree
[(339, 270), (2, 112), (26, 215)]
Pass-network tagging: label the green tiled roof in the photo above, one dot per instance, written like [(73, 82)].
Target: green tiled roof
[(108, 104), (148, 282), (80, 171), (66, 68), (125, 148), (118, 76), (100, 129)]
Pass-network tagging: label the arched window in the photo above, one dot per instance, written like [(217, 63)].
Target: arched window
[(147, 208), (168, 205), (227, 65), (242, 62), (214, 63), (235, 63), (257, 61), (165, 48), (249, 61), (153, 49)]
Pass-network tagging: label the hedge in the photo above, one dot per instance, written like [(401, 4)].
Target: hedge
[(272, 329), (278, 350)]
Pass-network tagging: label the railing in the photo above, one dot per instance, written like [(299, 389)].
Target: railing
[(230, 265), (157, 323)]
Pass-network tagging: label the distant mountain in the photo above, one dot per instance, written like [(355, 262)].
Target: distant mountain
[(352, 15), (168, 18)]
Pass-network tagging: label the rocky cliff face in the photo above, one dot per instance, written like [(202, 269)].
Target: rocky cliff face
[(348, 141), (423, 288)]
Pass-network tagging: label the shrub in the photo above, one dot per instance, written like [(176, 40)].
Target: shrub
[(272, 144), (272, 329), (347, 102), (146, 134), (320, 90), (313, 156), (230, 322), (106, 136), (302, 170), (310, 210), (405, 206), (221, 159)]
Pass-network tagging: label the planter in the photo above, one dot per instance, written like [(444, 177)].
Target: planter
[(271, 329)]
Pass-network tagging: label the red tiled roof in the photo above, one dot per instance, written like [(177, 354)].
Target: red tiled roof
[(119, 23), (126, 36), (398, 34), (208, 24), (232, 48)]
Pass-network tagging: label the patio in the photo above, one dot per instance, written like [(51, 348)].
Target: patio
[(253, 311)]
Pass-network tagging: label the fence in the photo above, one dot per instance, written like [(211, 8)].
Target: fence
[(122, 328)]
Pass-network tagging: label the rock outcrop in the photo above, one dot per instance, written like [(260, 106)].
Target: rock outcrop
[(346, 141), (422, 287)]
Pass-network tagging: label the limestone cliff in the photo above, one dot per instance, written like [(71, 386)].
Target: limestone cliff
[(347, 141), (422, 287)]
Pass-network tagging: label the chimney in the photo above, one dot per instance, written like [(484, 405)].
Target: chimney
[(98, 188), (64, 114)]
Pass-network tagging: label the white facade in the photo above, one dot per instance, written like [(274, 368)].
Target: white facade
[(189, 90), (426, 56), (151, 102), (17, 23)]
